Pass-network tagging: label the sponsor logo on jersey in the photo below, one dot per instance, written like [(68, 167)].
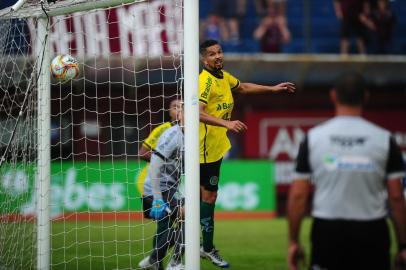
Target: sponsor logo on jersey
[(347, 141), (205, 94), (224, 106), (348, 163)]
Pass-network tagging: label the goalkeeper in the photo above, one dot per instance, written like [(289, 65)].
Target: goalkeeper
[(149, 144), (161, 200)]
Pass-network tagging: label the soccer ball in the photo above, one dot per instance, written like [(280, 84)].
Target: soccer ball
[(64, 67)]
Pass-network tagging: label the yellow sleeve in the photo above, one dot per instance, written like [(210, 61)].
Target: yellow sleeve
[(153, 137), (233, 81), (205, 85)]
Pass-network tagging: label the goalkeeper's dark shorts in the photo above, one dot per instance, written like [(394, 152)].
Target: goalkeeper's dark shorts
[(170, 196), (350, 245), (210, 175)]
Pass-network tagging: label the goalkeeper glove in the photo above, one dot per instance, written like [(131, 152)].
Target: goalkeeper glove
[(159, 209)]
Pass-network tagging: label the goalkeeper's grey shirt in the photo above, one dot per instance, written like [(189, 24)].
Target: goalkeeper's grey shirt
[(170, 149), (349, 159)]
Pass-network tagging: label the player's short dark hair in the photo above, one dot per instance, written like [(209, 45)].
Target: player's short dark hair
[(350, 89), (205, 44)]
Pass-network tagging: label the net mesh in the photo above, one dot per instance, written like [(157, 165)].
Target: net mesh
[(130, 60), (18, 155)]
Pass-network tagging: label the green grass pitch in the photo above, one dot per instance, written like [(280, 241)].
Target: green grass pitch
[(246, 244)]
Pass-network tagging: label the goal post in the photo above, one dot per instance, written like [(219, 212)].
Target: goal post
[(44, 147), (84, 132), (192, 209)]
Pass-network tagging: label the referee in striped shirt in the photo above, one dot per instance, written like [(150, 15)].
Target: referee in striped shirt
[(356, 168)]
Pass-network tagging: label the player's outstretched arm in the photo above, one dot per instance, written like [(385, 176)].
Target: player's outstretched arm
[(252, 88), (296, 209), (397, 204), (154, 170), (235, 126), (159, 207)]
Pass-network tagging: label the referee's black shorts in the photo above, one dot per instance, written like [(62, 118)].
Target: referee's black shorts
[(350, 245)]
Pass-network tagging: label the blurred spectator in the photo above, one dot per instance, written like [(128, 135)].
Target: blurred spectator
[(213, 27), (280, 6), (261, 6), (272, 31), (349, 12), (230, 11), (373, 4), (381, 22)]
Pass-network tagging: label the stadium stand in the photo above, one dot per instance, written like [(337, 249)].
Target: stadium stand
[(314, 27)]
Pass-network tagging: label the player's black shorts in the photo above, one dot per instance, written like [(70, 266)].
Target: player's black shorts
[(168, 196), (350, 245), (210, 175)]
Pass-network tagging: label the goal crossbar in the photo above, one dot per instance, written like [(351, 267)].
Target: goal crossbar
[(30, 9)]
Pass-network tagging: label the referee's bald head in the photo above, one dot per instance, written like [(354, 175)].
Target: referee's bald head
[(351, 89)]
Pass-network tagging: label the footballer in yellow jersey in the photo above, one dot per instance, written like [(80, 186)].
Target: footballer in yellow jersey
[(216, 89), (151, 141)]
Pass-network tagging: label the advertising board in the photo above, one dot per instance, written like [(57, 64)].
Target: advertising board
[(276, 135), (100, 187)]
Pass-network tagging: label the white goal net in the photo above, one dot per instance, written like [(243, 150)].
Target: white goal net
[(18, 153), (131, 67)]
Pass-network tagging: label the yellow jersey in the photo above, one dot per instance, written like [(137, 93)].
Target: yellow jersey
[(215, 90), (153, 137), (150, 143)]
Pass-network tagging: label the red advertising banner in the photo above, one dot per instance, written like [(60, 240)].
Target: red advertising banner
[(277, 135), (149, 29)]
